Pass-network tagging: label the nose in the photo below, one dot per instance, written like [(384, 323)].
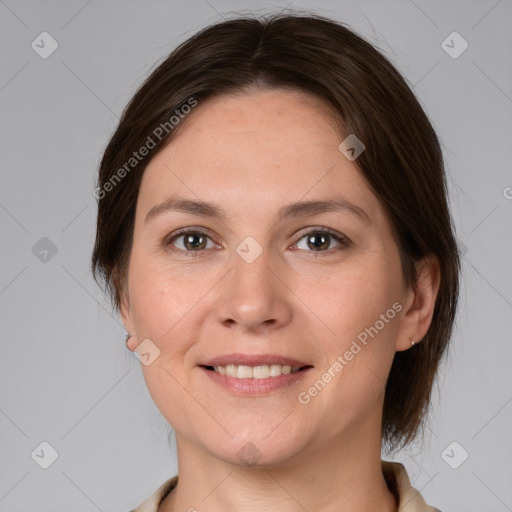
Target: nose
[(254, 296)]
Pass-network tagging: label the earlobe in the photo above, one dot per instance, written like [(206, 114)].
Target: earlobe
[(131, 341), (125, 310), (420, 304)]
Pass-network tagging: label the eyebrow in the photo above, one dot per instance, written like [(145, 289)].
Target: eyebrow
[(294, 210)]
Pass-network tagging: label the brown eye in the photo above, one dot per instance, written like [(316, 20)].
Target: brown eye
[(318, 241), (194, 241), (191, 241), (322, 241)]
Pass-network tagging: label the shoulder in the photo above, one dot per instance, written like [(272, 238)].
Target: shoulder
[(410, 499), (152, 503)]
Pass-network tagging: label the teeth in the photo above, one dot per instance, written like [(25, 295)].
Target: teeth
[(255, 372)]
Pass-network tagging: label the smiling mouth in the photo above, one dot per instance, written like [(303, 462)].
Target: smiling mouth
[(263, 371)]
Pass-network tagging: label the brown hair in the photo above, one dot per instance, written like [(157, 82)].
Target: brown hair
[(402, 162)]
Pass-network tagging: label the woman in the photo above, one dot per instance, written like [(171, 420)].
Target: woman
[(273, 227)]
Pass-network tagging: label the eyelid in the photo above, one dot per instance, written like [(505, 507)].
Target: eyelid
[(190, 229), (340, 238), (321, 229), (185, 231), (343, 240)]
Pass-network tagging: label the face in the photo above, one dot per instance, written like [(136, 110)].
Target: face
[(255, 281)]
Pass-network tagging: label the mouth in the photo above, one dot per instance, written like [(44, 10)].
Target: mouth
[(254, 374), (263, 371)]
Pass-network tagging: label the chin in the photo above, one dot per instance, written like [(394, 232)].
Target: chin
[(256, 449)]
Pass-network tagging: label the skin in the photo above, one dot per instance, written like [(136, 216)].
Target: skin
[(250, 155)]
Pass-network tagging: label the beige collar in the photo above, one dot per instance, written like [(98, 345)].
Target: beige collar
[(410, 499)]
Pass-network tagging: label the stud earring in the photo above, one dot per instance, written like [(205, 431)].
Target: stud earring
[(128, 336), (412, 342)]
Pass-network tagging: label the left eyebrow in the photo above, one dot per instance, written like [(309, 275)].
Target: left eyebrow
[(294, 210), (310, 208)]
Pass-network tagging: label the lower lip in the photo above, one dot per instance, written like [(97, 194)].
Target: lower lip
[(255, 386)]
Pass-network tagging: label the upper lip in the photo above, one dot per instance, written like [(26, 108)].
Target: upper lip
[(253, 360)]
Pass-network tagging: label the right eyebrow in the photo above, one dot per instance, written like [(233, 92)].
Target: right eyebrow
[(200, 208)]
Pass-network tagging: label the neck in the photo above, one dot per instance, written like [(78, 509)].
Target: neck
[(344, 475)]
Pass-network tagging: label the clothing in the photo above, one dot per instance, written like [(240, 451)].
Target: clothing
[(395, 474)]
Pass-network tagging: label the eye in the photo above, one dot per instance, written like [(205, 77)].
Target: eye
[(320, 240), (191, 241)]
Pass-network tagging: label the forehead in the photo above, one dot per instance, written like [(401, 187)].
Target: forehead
[(262, 149), (284, 120)]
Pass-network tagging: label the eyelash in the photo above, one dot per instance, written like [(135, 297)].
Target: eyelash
[(343, 241)]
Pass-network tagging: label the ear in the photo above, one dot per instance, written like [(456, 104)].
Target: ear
[(419, 304), (127, 317)]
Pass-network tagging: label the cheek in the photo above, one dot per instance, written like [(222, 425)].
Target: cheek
[(355, 306), (162, 305), (345, 301), (160, 298), (168, 307), (359, 346)]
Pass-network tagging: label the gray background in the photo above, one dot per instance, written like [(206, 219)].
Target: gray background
[(65, 375)]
